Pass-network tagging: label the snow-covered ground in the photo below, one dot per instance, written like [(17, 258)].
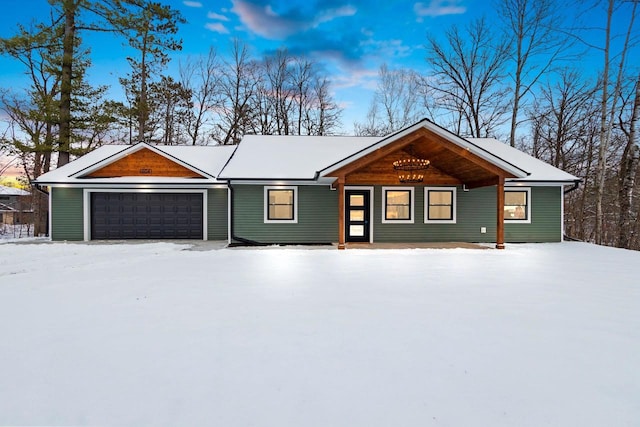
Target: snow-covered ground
[(158, 335), (15, 232)]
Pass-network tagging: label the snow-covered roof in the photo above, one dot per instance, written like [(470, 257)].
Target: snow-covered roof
[(290, 157), (63, 173), (208, 160), (310, 157), (12, 191), (538, 170)]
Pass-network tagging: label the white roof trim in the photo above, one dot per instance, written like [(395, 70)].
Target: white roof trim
[(424, 123), (133, 149), (145, 185)]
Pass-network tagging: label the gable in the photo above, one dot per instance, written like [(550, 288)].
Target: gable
[(143, 162), (381, 172), (452, 162)]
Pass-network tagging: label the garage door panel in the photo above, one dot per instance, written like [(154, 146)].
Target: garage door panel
[(146, 215)]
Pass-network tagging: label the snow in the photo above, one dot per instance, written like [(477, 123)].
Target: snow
[(12, 191), (539, 171), (17, 232), (169, 334), (207, 159), (63, 173), (290, 157)]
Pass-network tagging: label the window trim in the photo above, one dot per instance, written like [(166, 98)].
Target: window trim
[(454, 205), (268, 220), (526, 190), (412, 204)]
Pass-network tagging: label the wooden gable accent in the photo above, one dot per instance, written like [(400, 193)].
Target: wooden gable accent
[(450, 163), (381, 172), (144, 162)]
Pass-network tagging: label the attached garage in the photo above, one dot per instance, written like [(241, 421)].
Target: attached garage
[(146, 215)]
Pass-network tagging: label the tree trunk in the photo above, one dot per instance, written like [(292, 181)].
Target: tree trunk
[(143, 107), (629, 168), (606, 125), (70, 8)]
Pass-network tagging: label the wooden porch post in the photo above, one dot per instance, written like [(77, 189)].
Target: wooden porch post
[(341, 243), (500, 214)]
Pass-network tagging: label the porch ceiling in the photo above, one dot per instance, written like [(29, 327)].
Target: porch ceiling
[(450, 163)]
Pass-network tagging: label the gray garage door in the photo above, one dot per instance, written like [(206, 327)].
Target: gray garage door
[(146, 216)]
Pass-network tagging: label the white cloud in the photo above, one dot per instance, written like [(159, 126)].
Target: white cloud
[(388, 48), (439, 8), (217, 27), (217, 16), (190, 3), (266, 22), (361, 78), (331, 14)]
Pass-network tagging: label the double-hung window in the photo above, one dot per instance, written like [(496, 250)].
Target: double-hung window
[(280, 205), (440, 205), (397, 205), (517, 205)]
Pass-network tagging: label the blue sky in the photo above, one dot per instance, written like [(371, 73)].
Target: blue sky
[(350, 38)]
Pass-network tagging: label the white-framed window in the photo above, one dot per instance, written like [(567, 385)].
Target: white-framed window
[(398, 205), (281, 204), (517, 205), (440, 205)]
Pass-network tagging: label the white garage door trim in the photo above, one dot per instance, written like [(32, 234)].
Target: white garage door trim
[(87, 204)]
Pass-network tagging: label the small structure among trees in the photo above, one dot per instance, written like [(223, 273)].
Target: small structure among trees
[(16, 209)]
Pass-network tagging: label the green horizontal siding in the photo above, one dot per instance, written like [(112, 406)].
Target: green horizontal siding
[(475, 209), (317, 216), (546, 218), (217, 214), (67, 214)]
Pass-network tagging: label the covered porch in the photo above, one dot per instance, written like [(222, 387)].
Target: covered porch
[(447, 165)]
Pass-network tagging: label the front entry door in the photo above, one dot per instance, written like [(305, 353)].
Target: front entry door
[(357, 215)]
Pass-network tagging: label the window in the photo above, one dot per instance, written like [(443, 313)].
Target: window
[(280, 204), (517, 205), (440, 205), (397, 206)]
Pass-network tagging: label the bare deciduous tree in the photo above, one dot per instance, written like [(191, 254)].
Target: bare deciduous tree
[(628, 172), (238, 83), (467, 78), (537, 44), (323, 118), (200, 77), (395, 104), (608, 109)]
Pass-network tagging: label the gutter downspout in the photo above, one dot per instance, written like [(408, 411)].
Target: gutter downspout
[(248, 242), (574, 187)]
